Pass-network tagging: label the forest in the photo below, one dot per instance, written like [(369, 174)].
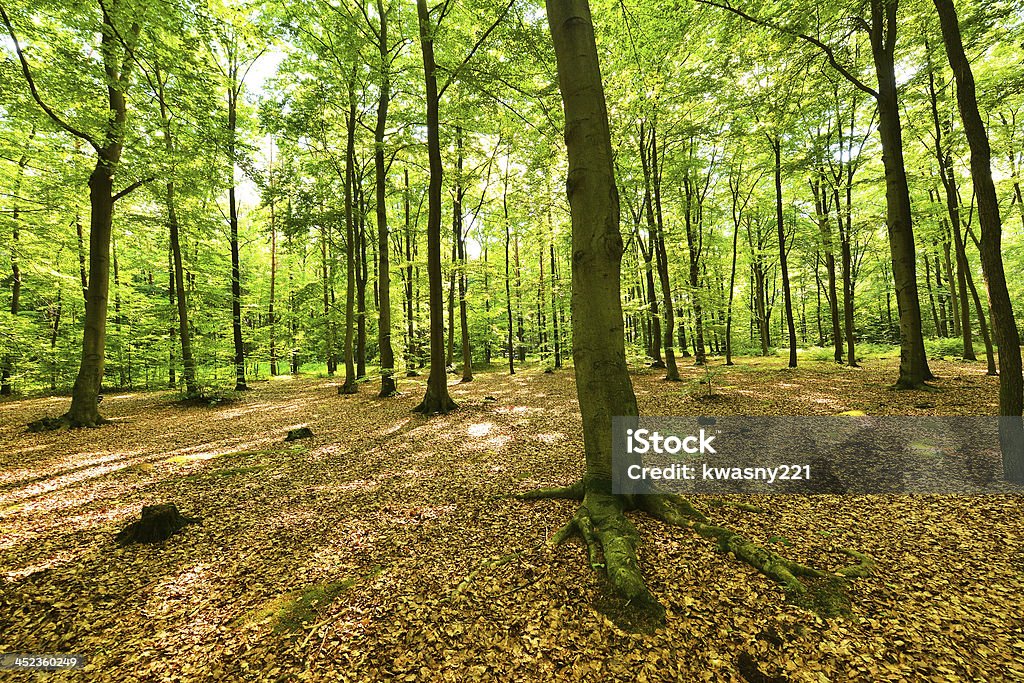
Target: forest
[(320, 323)]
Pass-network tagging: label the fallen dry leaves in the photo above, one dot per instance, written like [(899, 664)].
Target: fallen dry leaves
[(393, 512)]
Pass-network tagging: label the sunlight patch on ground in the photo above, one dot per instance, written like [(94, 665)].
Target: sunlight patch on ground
[(480, 429), (395, 427), (255, 408), (61, 558)]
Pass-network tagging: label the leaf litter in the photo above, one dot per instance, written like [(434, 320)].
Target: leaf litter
[(347, 558)]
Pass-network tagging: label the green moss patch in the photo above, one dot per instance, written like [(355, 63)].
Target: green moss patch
[(299, 608)]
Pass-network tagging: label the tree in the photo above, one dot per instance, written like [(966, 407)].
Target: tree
[(603, 385), (1011, 382), (388, 386), (437, 400), (116, 63), (881, 29)]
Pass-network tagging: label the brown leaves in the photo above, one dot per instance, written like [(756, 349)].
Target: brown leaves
[(411, 507)]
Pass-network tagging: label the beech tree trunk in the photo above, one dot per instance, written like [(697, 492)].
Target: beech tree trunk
[(1007, 336), (602, 379), (787, 294), (179, 296), (914, 369), (388, 386), (436, 399), (234, 91), (350, 386), (821, 202), (7, 364), (460, 243), (655, 224), (510, 345)]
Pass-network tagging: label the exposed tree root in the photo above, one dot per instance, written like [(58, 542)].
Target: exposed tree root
[(610, 536), (612, 543), (864, 567), (348, 388)]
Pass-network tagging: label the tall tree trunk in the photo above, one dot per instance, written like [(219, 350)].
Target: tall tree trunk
[(508, 279), (1007, 336), (234, 92), (271, 313), (821, 203), (461, 263), (362, 277), (602, 378), (914, 369), (845, 223), (179, 296), (655, 224), (7, 363), (436, 399), (654, 317), (350, 386), (982, 325), (520, 326), (388, 386), (487, 303), (787, 294), (554, 307), (325, 286), (410, 314), (948, 178), (450, 354), (172, 379)]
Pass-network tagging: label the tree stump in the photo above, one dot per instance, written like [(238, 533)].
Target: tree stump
[(158, 523), (300, 433)]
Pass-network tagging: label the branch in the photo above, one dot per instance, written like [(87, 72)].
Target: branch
[(131, 188), (484, 37), (35, 92), (826, 49)]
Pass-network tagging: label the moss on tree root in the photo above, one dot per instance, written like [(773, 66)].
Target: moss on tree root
[(612, 542)]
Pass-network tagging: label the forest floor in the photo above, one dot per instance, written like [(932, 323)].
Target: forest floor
[(338, 557)]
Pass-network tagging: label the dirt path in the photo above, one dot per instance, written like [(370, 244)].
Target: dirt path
[(365, 531)]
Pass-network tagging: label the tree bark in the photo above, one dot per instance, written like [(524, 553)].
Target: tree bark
[(460, 242), (388, 386), (234, 91), (821, 203), (350, 386), (787, 294), (1007, 336), (7, 364), (510, 345), (655, 224), (602, 378), (436, 399), (914, 369)]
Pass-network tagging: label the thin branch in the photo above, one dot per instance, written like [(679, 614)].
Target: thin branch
[(27, 72), (455, 73), (131, 188), (826, 49)]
